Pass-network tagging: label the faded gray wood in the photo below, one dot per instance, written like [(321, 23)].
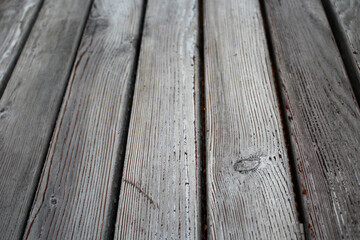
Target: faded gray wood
[(322, 115), (16, 20), (346, 14), (29, 107), (249, 189), (75, 198), (160, 192)]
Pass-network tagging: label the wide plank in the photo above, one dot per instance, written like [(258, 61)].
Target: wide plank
[(77, 190), (345, 19), (160, 193), (322, 115), (249, 189), (16, 20), (30, 104)]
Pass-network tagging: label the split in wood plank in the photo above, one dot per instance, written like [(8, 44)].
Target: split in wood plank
[(250, 193), (160, 187), (322, 115), (29, 106), (79, 185)]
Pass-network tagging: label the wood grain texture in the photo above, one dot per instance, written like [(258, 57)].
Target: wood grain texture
[(16, 20), (75, 198), (348, 18), (322, 116), (160, 192), (29, 107), (250, 193)]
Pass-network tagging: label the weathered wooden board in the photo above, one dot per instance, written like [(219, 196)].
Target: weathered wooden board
[(250, 193), (160, 192), (76, 195), (322, 116), (346, 20), (30, 104), (16, 19)]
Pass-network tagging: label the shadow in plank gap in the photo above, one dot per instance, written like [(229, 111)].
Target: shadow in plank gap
[(249, 187), (344, 20), (160, 188), (76, 194), (16, 20), (322, 115), (32, 98)]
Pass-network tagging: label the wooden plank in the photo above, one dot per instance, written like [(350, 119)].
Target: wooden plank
[(322, 116), (160, 192), (346, 20), (250, 193), (75, 198), (16, 20), (30, 104)]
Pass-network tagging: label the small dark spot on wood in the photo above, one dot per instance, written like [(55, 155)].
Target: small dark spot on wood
[(304, 192), (355, 52), (247, 165), (3, 112), (53, 200)]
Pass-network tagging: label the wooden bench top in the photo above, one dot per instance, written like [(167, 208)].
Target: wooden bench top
[(179, 119)]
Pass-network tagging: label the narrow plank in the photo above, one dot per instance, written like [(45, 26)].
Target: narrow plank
[(322, 116), (160, 192), (16, 20), (250, 193), (29, 107), (346, 18), (75, 198)]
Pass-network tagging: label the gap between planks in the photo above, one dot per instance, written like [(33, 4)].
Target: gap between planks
[(9, 58), (123, 141), (347, 53), (202, 120), (53, 125), (29, 114), (285, 125)]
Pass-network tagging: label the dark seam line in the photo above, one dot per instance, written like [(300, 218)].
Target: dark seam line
[(202, 112), (344, 48), (22, 43), (48, 140), (286, 127), (119, 166)]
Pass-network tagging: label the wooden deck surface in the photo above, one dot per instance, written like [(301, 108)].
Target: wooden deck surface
[(179, 119)]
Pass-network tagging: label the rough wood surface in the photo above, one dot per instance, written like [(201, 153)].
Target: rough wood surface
[(29, 107), (16, 20), (250, 193), (160, 192), (347, 16), (75, 198), (322, 115)]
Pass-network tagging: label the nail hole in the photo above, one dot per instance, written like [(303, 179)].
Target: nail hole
[(53, 200)]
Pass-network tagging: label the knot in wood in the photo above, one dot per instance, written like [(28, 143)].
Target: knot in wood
[(247, 165)]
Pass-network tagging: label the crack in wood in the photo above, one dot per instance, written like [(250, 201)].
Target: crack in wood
[(156, 205)]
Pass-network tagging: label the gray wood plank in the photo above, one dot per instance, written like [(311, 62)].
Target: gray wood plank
[(322, 116), (75, 198), (160, 192), (346, 14), (30, 104), (16, 20), (250, 193)]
